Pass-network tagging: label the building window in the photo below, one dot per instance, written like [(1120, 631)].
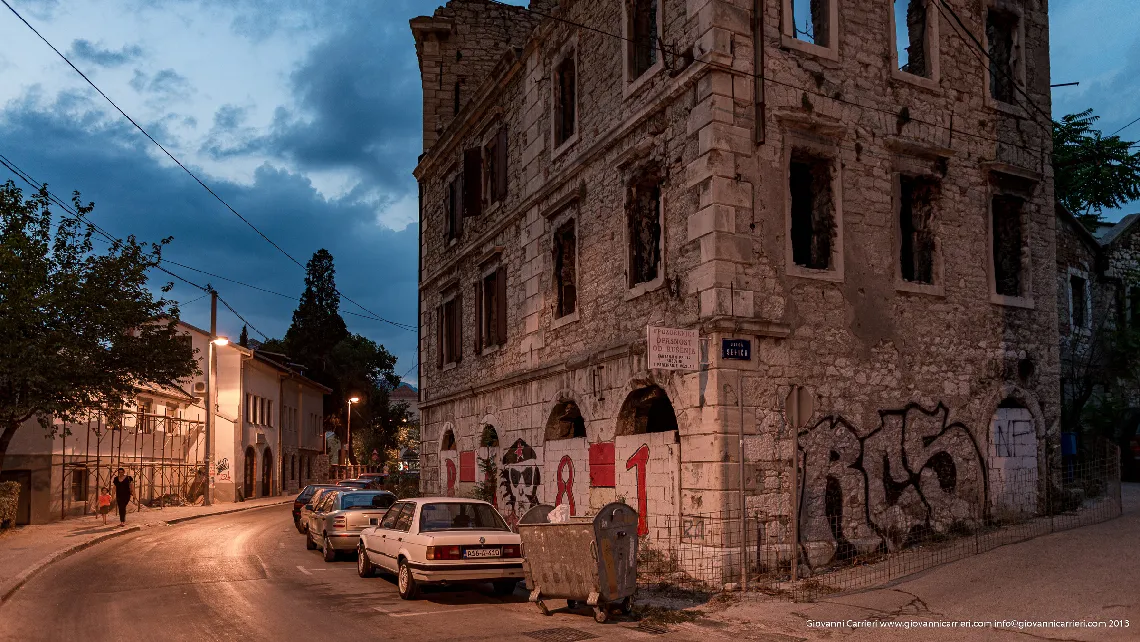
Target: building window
[(643, 28), (269, 412), (491, 309), (248, 408), (915, 38), (79, 484), (1004, 53), (1078, 302), (495, 154), (917, 198), (565, 98), (457, 97), (810, 26), (453, 206), (449, 342), (292, 467), (1134, 306), (1008, 243), (813, 211), (565, 270), (473, 181), (643, 212)]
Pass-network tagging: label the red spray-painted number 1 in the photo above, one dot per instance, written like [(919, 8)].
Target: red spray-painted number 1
[(639, 458)]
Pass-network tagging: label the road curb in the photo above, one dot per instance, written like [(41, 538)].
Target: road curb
[(9, 588)]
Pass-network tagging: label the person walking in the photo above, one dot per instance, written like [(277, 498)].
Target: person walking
[(104, 502), (124, 488)]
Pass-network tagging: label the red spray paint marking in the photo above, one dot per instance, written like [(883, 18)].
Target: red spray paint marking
[(639, 458), (566, 486), (450, 477)]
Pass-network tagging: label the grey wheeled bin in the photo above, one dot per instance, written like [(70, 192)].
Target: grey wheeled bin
[(585, 560)]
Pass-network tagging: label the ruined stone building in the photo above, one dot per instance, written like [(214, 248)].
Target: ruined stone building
[(842, 183)]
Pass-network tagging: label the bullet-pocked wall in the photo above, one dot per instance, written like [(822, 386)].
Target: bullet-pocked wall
[(883, 235)]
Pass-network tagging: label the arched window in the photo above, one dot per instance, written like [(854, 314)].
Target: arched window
[(565, 422), (646, 410), (448, 440)]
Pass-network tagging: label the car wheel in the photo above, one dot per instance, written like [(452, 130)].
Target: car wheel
[(310, 545), (364, 566), (506, 587), (329, 551), (409, 589)]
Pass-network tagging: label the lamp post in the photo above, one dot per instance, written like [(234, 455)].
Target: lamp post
[(211, 358), (348, 437)]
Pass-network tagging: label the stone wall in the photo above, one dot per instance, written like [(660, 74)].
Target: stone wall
[(916, 371)]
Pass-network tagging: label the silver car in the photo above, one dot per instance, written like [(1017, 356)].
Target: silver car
[(337, 519), (307, 509)]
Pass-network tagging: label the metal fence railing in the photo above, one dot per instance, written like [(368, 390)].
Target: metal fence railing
[(729, 550)]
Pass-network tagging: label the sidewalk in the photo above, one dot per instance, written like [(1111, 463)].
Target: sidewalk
[(27, 550)]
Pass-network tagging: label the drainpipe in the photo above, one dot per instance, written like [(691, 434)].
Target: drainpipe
[(280, 429), (743, 519)]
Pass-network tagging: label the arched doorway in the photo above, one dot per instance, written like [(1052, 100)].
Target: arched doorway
[(448, 464), (249, 471), (565, 422), (646, 446), (266, 473), (488, 465)]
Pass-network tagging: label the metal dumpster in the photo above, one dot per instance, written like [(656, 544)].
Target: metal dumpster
[(585, 560)]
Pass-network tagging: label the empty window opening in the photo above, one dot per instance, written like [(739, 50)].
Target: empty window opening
[(450, 331), (457, 97), (495, 154), (643, 210), (917, 196), (1134, 306), (643, 36), (453, 206), (1001, 35), (810, 21), (565, 422), (646, 410), (1007, 244), (1078, 291), (813, 212), (79, 484), (566, 86), (492, 309), (910, 37), (566, 269), (447, 442), (473, 181)]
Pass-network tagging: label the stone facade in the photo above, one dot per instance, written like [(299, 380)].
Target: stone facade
[(908, 359)]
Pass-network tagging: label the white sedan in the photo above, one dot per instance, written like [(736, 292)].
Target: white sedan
[(442, 540)]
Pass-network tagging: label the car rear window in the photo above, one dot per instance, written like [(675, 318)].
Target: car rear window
[(455, 516), (349, 501)]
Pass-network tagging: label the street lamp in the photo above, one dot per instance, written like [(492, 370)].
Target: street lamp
[(348, 437)]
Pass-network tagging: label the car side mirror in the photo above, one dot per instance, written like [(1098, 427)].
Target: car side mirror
[(308, 507)]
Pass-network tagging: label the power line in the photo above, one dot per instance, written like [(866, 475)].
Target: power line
[(1131, 123), (186, 169), (27, 178)]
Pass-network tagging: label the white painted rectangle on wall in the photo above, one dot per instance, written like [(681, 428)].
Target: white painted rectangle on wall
[(672, 348)]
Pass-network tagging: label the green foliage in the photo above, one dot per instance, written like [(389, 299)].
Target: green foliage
[(9, 503), (79, 329), (485, 489), (243, 339), (317, 325), (1092, 171)]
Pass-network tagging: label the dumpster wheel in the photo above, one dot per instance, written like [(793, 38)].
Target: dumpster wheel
[(627, 605), (542, 607), (601, 612)]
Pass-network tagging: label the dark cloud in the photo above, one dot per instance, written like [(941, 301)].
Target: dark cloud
[(166, 84), (73, 145), (85, 50)]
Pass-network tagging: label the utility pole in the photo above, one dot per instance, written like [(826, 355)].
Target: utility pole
[(209, 498)]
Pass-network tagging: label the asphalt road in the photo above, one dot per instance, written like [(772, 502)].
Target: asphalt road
[(247, 576)]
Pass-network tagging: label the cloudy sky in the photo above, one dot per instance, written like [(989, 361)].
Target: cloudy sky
[(305, 117)]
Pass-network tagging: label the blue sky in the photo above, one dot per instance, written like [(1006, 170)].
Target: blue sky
[(305, 117)]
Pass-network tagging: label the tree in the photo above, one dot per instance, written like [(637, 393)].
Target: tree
[(243, 339), (78, 329), (317, 325), (1092, 171)]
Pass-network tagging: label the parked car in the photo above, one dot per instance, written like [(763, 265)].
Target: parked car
[(302, 499), (377, 476), (360, 483), (335, 523), (307, 509), (442, 539)]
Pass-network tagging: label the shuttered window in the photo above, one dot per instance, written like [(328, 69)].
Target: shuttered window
[(495, 155), (473, 182)]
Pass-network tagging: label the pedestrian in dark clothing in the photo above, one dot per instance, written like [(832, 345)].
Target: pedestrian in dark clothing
[(124, 488)]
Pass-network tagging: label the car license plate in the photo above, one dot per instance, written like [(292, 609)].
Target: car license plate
[(473, 553)]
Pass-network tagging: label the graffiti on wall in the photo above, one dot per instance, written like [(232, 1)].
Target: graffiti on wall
[(223, 469), (915, 473), (637, 461), (565, 479), (451, 475), (521, 478)]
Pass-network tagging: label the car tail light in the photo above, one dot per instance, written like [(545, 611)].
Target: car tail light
[(340, 521), (512, 550), (444, 553)]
